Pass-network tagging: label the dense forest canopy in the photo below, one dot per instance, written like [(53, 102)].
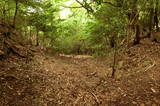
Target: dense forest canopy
[(79, 53), (82, 26)]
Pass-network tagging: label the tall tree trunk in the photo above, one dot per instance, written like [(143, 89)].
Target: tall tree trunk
[(154, 16), (151, 22), (15, 14), (156, 22), (137, 37), (133, 27)]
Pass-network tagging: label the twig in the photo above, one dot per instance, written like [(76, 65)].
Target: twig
[(97, 101), (149, 67), (78, 98)]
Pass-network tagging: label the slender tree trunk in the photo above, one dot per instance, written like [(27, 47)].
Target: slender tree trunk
[(37, 38), (15, 14), (44, 38), (112, 40), (30, 35), (133, 27), (156, 21), (151, 23), (137, 37), (114, 61)]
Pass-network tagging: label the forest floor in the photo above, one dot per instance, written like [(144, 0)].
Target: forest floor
[(79, 80)]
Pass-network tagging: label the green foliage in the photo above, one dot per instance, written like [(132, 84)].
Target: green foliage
[(89, 27), (108, 25), (72, 35)]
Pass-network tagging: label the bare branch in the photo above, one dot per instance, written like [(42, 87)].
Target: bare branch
[(79, 2), (89, 9), (72, 7)]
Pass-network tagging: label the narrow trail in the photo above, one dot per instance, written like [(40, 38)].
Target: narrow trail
[(79, 80)]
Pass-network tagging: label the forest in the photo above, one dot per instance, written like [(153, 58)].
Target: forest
[(79, 53)]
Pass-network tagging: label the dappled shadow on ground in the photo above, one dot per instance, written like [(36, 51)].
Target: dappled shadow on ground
[(49, 80)]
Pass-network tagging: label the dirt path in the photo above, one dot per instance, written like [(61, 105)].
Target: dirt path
[(82, 80)]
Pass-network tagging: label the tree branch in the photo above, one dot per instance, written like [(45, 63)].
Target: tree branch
[(88, 8), (79, 2), (72, 7)]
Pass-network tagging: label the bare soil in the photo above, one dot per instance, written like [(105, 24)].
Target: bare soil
[(79, 80)]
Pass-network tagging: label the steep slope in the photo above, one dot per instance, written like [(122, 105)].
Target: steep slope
[(49, 80)]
